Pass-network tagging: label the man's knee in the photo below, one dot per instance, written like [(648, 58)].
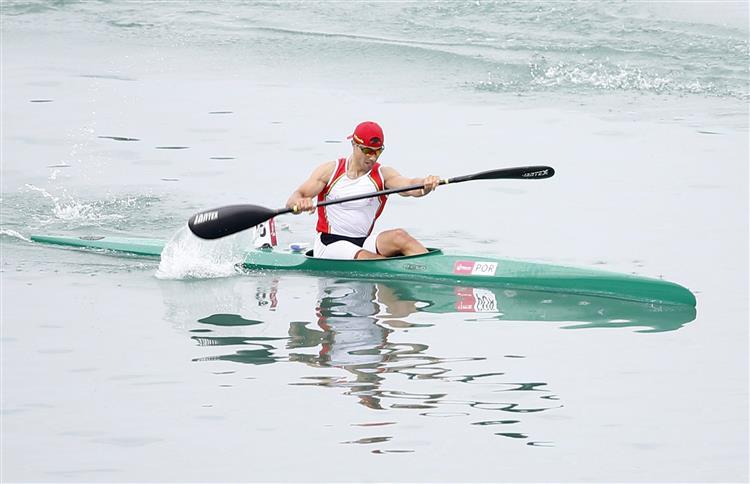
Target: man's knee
[(396, 242), (401, 237)]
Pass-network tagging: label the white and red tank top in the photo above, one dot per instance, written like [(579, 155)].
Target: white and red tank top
[(355, 218)]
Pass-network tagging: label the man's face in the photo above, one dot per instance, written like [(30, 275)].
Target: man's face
[(368, 156)]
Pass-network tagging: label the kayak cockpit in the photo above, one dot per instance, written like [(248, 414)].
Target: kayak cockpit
[(430, 252)]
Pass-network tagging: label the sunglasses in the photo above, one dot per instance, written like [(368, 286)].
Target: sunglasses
[(371, 151)]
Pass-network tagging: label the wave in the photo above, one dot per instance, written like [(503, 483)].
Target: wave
[(489, 46), (572, 77)]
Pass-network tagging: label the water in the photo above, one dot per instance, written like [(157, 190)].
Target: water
[(124, 118)]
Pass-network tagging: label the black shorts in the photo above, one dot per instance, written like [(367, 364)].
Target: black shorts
[(328, 239)]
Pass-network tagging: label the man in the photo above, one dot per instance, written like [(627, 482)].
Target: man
[(345, 231)]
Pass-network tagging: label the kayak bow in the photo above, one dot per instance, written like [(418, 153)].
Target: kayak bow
[(435, 266)]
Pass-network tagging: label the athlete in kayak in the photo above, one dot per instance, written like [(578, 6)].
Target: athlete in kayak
[(345, 231)]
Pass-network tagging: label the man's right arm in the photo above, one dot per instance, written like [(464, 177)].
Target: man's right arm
[(302, 198)]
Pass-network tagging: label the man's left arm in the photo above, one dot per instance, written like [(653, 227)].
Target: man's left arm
[(393, 179)]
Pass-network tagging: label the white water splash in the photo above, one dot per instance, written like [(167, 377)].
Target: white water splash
[(605, 76), (14, 234), (188, 257), (68, 209)]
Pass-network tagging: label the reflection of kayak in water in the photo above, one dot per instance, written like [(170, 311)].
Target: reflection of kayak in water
[(433, 267), (347, 321), (378, 300), (525, 305)]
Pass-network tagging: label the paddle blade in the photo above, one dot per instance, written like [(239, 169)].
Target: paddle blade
[(223, 221), (521, 172)]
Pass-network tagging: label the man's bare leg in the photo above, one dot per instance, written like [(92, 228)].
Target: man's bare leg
[(398, 242), (366, 254)]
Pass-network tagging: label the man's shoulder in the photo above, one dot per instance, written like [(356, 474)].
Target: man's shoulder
[(326, 169), (328, 165), (388, 171)]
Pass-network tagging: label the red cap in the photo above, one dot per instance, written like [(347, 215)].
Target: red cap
[(368, 134)]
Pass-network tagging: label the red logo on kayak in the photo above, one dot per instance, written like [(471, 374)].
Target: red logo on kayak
[(463, 267)]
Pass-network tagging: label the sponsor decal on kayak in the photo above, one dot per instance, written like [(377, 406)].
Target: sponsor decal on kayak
[(475, 268), (265, 235), (415, 267), (206, 217), (475, 300)]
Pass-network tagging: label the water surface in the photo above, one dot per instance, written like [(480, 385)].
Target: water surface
[(126, 118)]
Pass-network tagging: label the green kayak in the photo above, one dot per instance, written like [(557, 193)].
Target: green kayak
[(435, 266)]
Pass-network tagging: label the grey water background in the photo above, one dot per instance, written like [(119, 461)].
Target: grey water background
[(124, 118)]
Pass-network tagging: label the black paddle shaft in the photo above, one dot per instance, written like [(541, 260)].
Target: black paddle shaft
[(526, 173), (228, 220)]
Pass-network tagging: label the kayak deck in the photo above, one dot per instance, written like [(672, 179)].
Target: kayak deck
[(435, 266), (126, 245), (479, 271)]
